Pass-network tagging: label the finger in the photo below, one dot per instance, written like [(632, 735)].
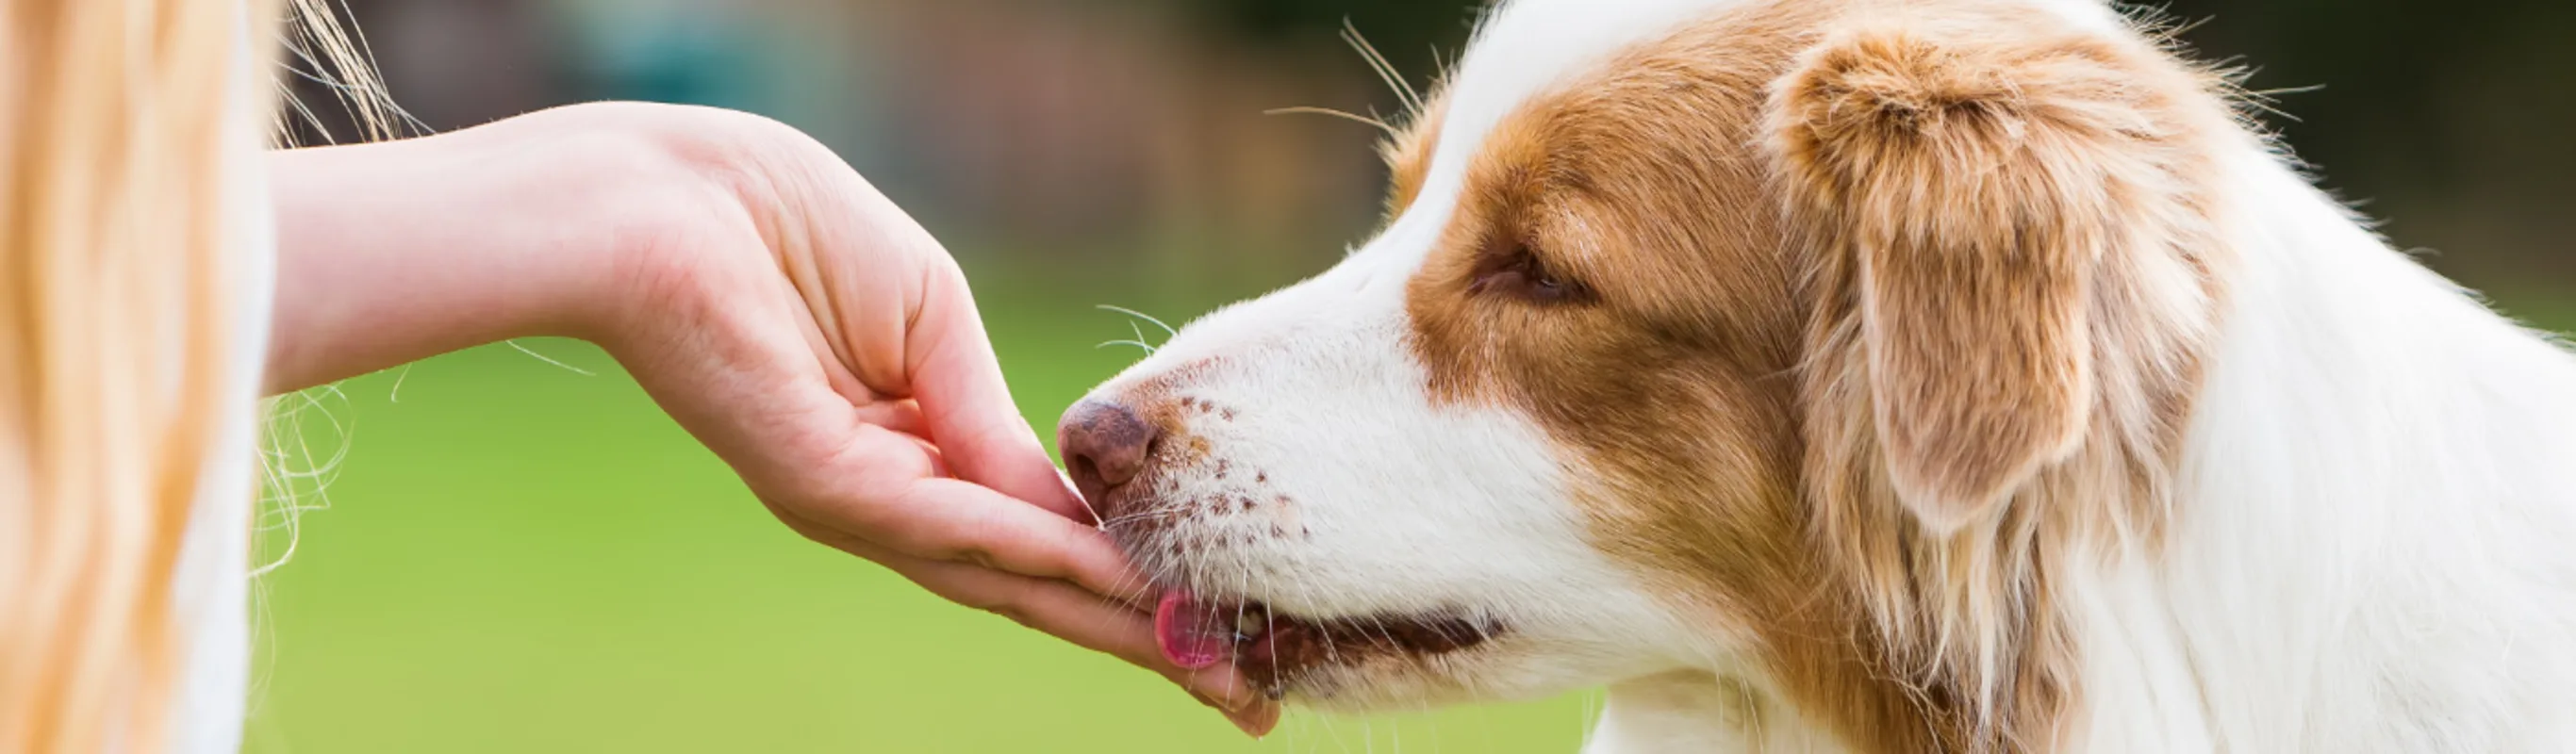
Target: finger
[(1088, 515), (902, 506), (894, 310), (899, 416), (885, 423), (1257, 719), (952, 520), (908, 327), (1087, 621), (1254, 715), (958, 381), (1068, 613), (1074, 615)]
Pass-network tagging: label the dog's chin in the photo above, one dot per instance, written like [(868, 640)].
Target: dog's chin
[(1512, 666), (1320, 657), (1390, 685), (1287, 642), (1310, 620)]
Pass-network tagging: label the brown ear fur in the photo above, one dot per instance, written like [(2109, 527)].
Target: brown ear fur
[(1963, 187)]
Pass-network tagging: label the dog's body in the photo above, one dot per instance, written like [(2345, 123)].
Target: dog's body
[(1866, 376)]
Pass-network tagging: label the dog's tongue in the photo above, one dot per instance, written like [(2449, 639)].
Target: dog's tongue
[(1192, 634)]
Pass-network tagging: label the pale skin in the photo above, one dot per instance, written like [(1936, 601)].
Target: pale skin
[(781, 309)]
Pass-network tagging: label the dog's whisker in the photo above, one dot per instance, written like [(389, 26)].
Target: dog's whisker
[(1410, 97), (1378, 123), (1148, 318)]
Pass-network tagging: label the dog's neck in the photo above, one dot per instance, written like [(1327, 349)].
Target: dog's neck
[(2365, 550), (1681, 711), (1698, 711)]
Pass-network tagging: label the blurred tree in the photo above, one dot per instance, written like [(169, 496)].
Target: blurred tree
[(2451, 121)]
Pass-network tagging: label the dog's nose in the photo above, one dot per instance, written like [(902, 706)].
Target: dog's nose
[(1104, 445)]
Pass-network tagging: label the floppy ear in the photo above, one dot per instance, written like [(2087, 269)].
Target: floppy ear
[(1963, 194)]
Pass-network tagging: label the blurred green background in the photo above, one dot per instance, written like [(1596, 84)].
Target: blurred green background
[(520, 556)]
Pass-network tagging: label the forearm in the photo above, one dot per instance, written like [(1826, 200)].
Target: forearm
[(389, 253)]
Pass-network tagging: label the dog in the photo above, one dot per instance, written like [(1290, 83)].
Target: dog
[(1864, 376)]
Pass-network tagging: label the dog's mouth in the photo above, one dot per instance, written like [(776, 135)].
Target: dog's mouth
[(1274, 649)]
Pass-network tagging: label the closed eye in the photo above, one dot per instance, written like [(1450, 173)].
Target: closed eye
[(1511, 268)]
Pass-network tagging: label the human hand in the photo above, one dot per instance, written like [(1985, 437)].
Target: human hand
[(779, 307), (818, 338)]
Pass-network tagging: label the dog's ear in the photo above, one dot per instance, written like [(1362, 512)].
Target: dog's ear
[(1962, 194)]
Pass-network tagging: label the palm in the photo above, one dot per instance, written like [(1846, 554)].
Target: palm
[(823, 344)]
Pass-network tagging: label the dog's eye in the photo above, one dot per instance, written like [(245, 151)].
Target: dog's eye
[(1513, 270)]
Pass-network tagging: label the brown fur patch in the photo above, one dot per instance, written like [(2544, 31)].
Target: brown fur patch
[(1408, 155), (1882, 323)]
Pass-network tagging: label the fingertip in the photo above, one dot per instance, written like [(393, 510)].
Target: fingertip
[(1012, 462), (1029, 542), (1257, 721), (1223, 689), (1080, 506), (1254, 714), (1053, 490), (1221, 685)]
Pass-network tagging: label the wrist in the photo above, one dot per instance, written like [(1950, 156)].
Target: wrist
[(394, 252), (678, 188)]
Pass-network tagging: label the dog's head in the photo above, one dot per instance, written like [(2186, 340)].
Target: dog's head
[(1750, 336)]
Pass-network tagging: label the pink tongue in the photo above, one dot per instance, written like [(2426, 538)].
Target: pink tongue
[(1192, 635)]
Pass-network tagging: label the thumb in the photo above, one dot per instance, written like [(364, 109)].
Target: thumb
[(967, 405)]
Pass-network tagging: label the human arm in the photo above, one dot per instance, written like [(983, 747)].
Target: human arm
[(780, 308)]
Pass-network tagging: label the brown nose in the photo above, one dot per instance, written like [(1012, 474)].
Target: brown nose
[(1104, 446)]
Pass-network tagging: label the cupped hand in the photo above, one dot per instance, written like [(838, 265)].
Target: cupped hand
[(816, 337), (784, 311)]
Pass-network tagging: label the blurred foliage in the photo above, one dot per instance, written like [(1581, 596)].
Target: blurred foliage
[(1133, 123), (1409, 33), (2402, 90), (2452, 122)]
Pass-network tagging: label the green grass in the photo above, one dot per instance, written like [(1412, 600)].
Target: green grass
[(517, 557)]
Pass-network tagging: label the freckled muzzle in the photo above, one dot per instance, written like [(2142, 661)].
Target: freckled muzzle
[(1109, 450)]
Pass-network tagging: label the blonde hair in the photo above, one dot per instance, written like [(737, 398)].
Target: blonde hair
[(118, 295)]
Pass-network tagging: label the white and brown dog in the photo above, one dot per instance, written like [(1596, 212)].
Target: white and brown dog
[(1865, 376)]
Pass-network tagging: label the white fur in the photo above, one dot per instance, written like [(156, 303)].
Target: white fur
[(2373, 549), (2381, 490)]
